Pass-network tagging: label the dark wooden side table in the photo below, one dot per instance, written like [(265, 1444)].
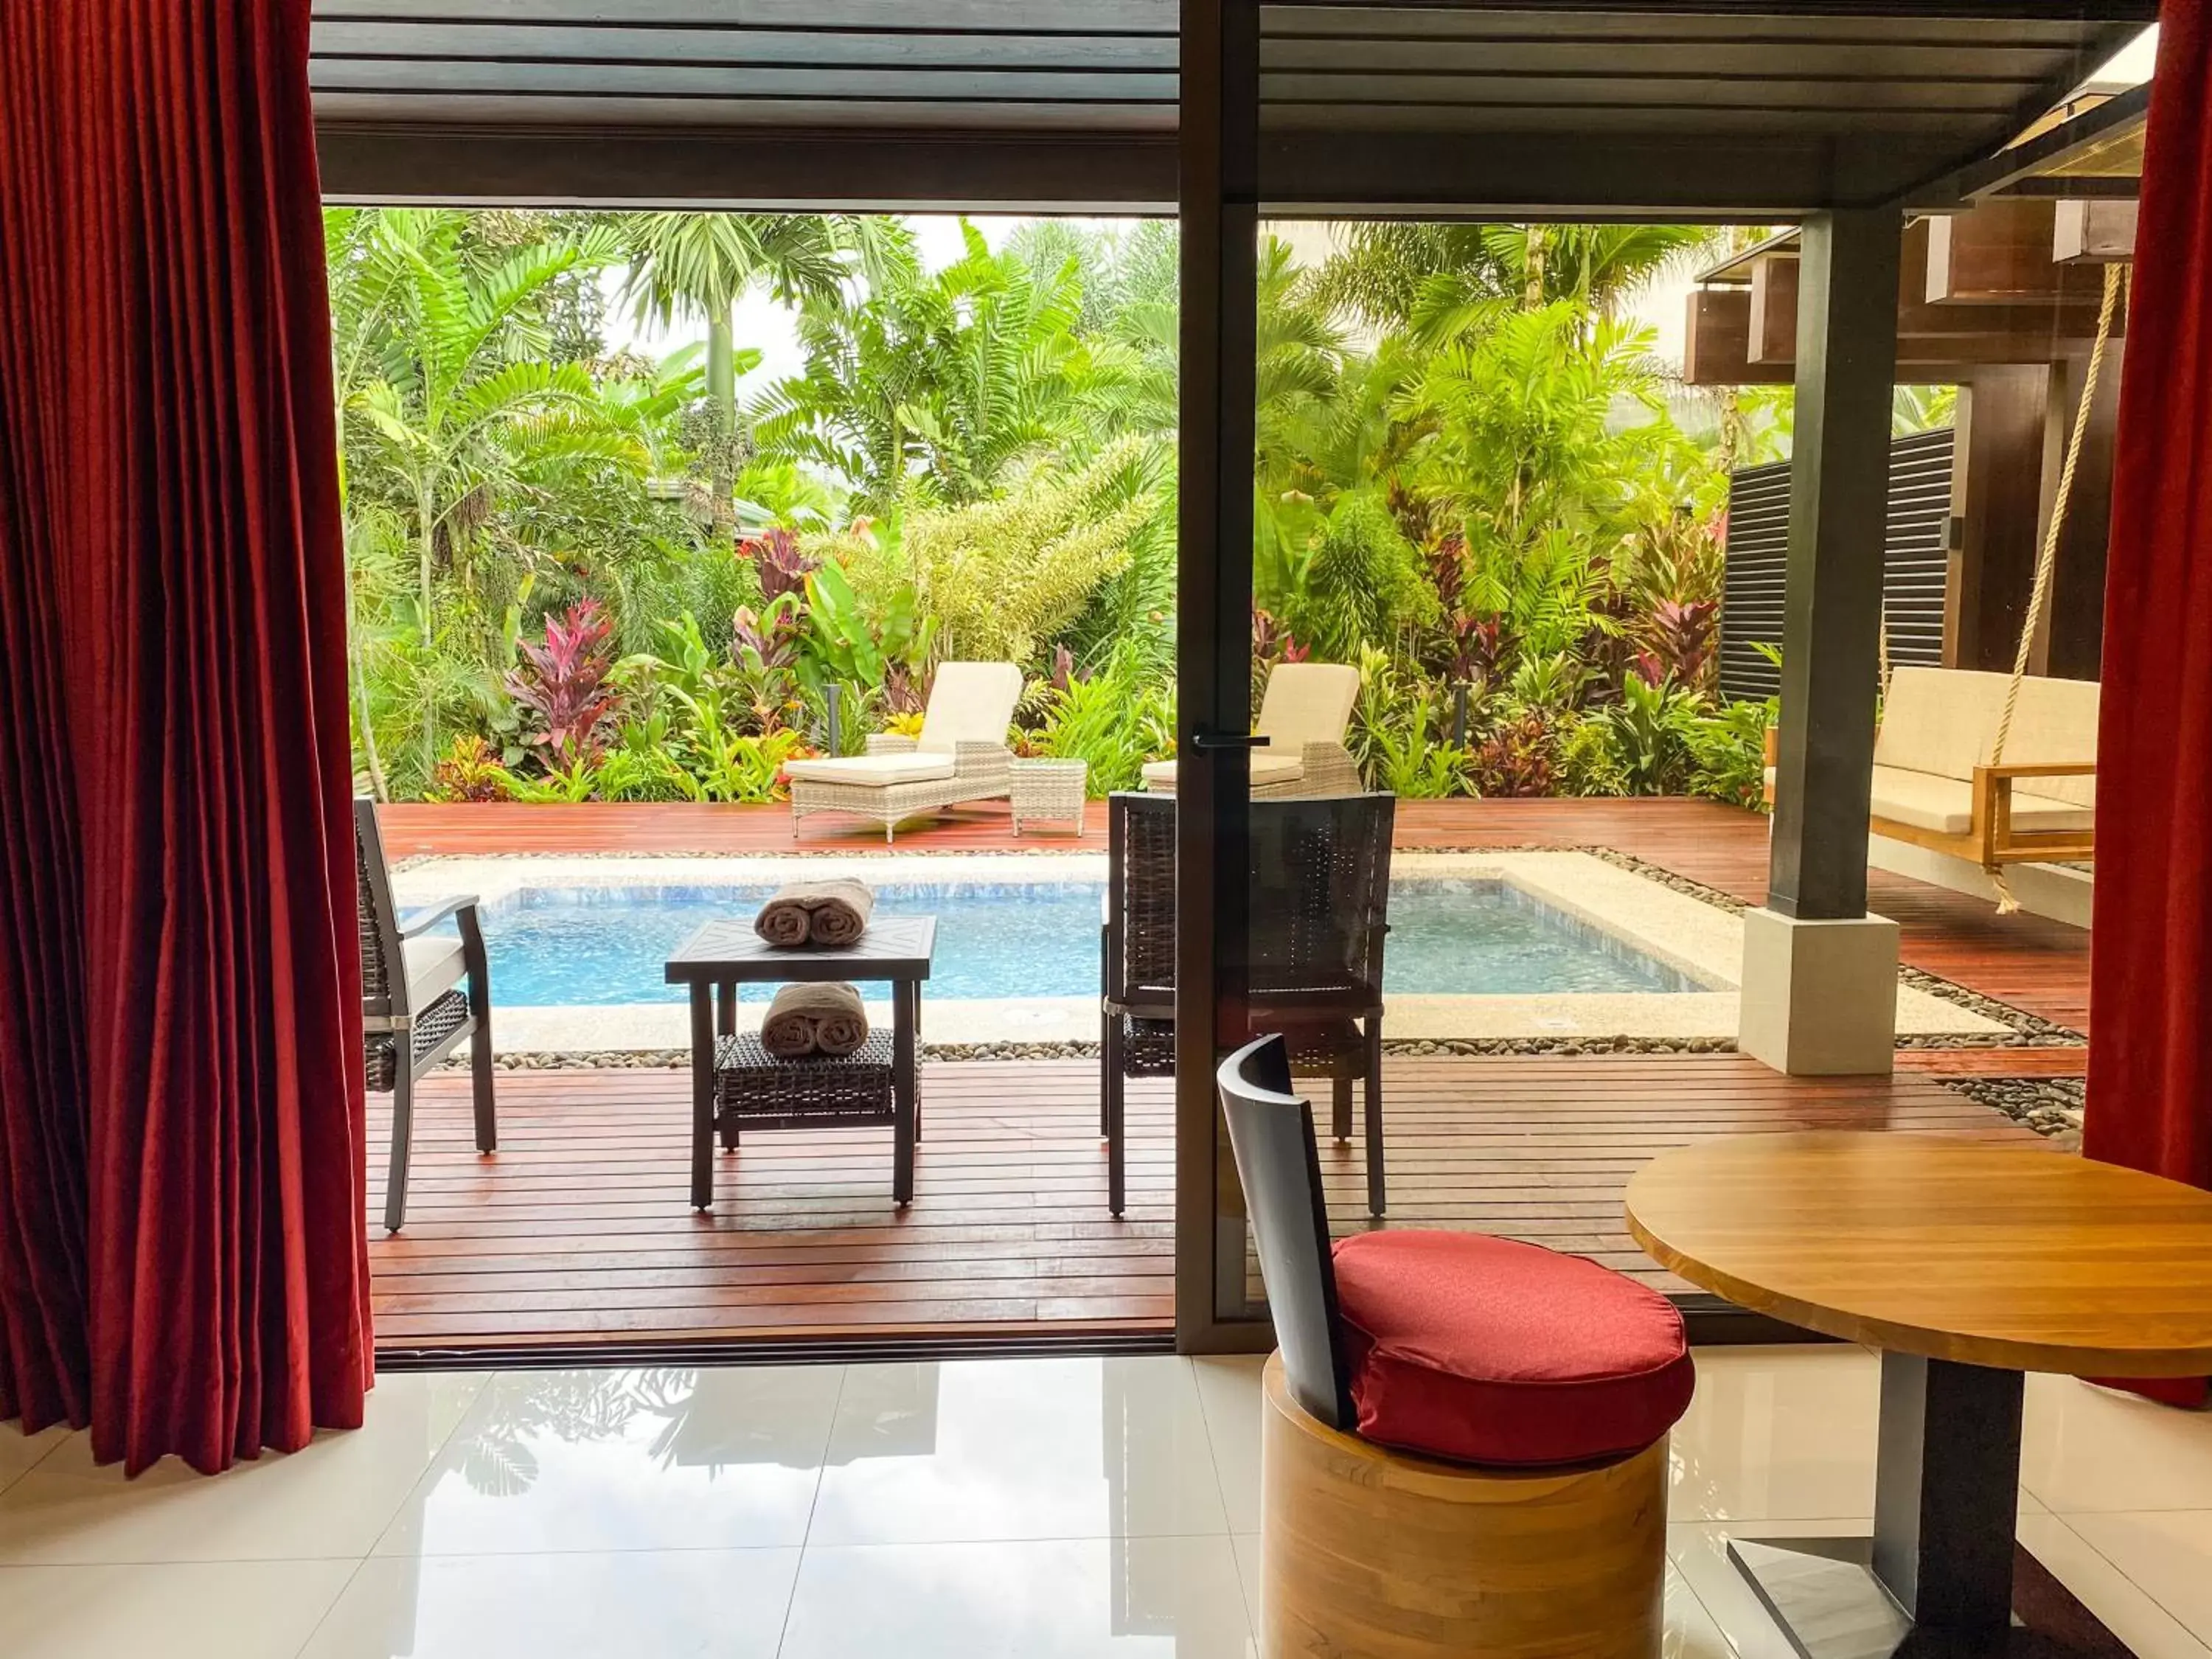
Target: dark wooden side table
[(726, 953), (1966, 1263)]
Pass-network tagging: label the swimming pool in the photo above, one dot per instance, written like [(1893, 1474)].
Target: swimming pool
[(604, 946)]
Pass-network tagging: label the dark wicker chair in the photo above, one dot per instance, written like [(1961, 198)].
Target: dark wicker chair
[(419, 996), (1323, 866)]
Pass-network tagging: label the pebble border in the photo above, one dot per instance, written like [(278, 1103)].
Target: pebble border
[(2052, 1106)]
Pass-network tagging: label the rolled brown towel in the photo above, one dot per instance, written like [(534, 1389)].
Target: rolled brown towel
[(840, 914), (832, 913), (807, 1019)]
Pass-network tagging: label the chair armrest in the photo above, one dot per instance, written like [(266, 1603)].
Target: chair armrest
[(2039, 769), (1328, 769), (889, 743), (415, 923)]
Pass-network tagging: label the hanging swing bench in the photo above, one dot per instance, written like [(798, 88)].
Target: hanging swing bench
[(1996, 770)]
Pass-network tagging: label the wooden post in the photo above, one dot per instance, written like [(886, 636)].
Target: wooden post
[(1839, 502), (1219, 205)]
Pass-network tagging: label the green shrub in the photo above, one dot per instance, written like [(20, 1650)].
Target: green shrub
[(1589, 764), (1116, 719), (1651, 726)]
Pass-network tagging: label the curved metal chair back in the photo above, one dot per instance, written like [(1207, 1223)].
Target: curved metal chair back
[(1272, 1131)]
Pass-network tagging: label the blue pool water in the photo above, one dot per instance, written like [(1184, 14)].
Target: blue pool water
[(572, 947)]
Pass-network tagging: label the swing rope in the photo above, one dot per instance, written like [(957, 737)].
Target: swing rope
[(2046, 561)]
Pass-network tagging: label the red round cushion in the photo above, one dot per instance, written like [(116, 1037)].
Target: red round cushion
[(1485, 1350)]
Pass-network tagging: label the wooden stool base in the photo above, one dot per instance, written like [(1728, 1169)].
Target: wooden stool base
[(1386, 1555)]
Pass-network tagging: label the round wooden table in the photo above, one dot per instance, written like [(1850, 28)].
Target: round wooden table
[(1966, 1263)]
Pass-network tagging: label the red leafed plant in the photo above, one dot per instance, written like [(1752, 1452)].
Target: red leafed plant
[(1271, 642), (1678, 640), (469, 772), (1516, 758), (563, 683), (781, 564)]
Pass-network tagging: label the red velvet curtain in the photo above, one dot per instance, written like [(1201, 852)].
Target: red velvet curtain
[(183, 1259), (2150, 1051)]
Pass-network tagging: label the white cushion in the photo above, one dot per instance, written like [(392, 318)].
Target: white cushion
[(1267, 768), (1938, 721), (2055, 720), (1943, 721), (873, 771), (1945, 805), (434, 965), (968, 703), (1307, 702)]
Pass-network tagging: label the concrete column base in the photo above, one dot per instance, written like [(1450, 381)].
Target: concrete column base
[(1819, 998)]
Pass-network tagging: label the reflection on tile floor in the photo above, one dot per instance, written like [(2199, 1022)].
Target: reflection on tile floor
[(1047, 1508)]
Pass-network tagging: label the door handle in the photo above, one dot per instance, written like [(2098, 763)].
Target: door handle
[(1220, 740)]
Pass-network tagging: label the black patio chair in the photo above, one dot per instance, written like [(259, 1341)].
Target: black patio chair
[(420, 994), (1319, 914)]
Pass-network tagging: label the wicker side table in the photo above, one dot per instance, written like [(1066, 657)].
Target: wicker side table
[(1049, 789)]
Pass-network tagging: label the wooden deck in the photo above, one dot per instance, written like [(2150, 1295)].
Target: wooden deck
[(580, 1228), (579, 1231)]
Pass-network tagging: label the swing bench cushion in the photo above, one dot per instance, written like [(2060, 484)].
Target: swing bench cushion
[(1939, 725)]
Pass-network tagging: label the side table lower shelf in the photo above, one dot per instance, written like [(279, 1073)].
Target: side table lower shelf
[(754, 1090)]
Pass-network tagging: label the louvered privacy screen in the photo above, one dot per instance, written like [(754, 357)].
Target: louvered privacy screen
[(1912, 577)]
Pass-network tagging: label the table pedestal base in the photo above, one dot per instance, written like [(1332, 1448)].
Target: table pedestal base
[(1823, 1595)]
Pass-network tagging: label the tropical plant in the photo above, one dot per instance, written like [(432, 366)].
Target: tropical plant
[(700, 264), (470, 771), (884, 649), (1001, 577), (943, 382), (1589, 764), (1410, 755), (1678, 640), (444, 414), (1728, 748), (1651, 727), (563, 682), (1516, 757), (1356, 578), (1114, 719)]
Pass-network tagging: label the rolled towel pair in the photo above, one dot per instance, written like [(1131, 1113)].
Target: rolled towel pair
[(827, 1019), (829, 914)]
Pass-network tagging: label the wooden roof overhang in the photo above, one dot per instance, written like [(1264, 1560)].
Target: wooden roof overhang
[(1716, 108), (2004, 275)]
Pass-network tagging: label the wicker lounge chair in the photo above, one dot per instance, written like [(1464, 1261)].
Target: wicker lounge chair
[(961, 755), (415, 1008), (1322, 868), (1304, 716)]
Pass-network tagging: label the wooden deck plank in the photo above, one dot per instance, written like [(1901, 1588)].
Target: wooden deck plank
[(579, 1230)]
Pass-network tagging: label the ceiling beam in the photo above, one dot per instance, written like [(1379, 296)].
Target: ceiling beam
[(874, 170)]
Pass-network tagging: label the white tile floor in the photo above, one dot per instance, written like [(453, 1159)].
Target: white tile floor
[(1034, 1508)]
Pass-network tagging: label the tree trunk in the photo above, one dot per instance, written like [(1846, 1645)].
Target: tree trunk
[(427, 558), (1532, 268), (722, 391)]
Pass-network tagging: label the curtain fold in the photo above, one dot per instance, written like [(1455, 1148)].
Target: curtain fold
[(183, 1259), (2150, 1054)]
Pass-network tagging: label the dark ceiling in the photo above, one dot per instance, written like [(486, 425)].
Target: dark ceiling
[(1691, 105)]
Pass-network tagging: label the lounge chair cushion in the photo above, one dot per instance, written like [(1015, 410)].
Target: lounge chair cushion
[(1267, 767), (1307, 702), (873, 771), (968, 703), (1488, 1350), (434, 966), (1945, 805)]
